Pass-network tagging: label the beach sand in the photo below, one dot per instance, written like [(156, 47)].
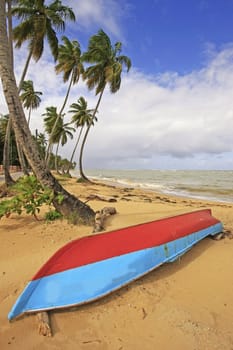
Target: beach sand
[(184, 305)]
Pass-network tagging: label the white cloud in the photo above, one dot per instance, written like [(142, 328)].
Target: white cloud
[(166, 121), (100, 13)]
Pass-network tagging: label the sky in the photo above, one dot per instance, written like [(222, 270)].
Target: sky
[(174, 109)]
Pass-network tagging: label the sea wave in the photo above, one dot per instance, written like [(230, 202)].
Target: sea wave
[(210, 185)]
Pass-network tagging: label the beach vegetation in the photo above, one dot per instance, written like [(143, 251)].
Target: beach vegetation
[(69, 63), (100, 66), (52, 215), (20, 126), (37, 22), (57, 136), (105, 65), (82, 116), (29, 97), (9, 143), (29, 196)]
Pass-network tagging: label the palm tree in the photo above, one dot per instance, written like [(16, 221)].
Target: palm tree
[(106, 68), (39, 21), (51, 117), (62, 135), (30, 98), (6, 149), (70, 204), (6, 133), (69, 63), (41, 141), (82, 116), (62, 132)]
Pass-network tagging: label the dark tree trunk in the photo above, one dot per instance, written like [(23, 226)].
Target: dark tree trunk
[(6, 152), (83, 176), (70, 204)]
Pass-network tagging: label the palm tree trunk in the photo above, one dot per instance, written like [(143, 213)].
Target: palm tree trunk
[(70, 204), (83, 176), (74, 150), (25, 70), (8, 178), (10, 36), (6, 152), (29, 114), (6, 149), (48, 152), (21, 158), (56, 154)]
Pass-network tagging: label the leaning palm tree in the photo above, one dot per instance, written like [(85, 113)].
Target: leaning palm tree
[(39, 21), (69, 63), (105, 68), (62, 134), (70, 204), (29, 97), (81, 116)]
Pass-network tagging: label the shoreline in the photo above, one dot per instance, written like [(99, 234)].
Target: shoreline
[(175, 194), (185, 183), (186, 304)]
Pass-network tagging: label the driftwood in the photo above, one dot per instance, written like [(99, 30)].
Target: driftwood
[(100, 217), (100, 198), (44, 327), (223, 234)]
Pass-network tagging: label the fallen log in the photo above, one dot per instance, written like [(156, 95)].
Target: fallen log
[(100, 217)]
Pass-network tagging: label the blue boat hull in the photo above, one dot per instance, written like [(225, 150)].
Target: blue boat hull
[(92, 281)]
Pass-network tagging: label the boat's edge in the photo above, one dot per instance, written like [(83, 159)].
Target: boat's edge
[(217, 228)]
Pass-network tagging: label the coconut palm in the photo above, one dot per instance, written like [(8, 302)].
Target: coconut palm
[(62, 131), (39, 21), (62, 134), (41, 141), (105, 69), (69, 204), (30, 98), (51, 116), (69, 63), (82, 116)]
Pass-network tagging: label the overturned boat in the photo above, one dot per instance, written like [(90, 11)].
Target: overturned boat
[(91, 267)]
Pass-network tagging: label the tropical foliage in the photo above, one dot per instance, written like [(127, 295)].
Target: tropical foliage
[(29, 196), (69, 63), (13, 154), (106, 65), (37, 22), (100, 66), (30, 98), (82, 116)]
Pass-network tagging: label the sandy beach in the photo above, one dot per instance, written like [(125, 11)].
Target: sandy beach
[(183, 305)]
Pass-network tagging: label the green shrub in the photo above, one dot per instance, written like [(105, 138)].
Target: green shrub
[(52, 215), (30, 196)]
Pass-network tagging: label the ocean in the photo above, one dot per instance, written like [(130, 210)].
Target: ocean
[(214, 185)]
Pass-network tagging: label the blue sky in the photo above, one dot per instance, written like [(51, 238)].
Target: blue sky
[(163, 35), (175, 35), (175, 108)]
